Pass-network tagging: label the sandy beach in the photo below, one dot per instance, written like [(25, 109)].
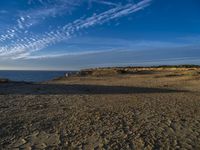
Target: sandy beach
[(146, 109)]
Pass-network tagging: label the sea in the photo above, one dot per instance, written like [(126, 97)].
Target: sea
[(32, 76)]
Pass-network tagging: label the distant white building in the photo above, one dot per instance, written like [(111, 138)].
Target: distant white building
[(67, 75)]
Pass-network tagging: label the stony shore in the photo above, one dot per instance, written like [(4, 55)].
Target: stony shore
[(140, 109)]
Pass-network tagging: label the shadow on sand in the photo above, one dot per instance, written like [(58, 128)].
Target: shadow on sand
[(53, 89)]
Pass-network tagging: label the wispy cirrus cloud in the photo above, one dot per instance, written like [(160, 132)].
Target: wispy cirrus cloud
[(104, 2), (49, 9), (29, 18), (3, 11), (119, 58), (27, 45), (98, 46)]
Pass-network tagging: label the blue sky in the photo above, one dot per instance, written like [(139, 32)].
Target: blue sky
[(76, 34)]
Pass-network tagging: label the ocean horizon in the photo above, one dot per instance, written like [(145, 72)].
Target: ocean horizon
[(31, 75)]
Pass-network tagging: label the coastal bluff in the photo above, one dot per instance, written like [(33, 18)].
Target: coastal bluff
[(112, 71)]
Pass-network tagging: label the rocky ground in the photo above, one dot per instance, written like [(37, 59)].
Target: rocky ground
[(145, 110)]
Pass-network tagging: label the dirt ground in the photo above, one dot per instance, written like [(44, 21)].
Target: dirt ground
[(145, 110)]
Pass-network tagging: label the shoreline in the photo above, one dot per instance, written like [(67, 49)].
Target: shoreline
[(136, 110), (102, 71)]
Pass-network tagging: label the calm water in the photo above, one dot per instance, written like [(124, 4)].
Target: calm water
[(31, 76)]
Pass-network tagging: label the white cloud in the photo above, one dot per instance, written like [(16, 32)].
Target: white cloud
[(104, 2), (3, 11), (29, 18), (27, 45)]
